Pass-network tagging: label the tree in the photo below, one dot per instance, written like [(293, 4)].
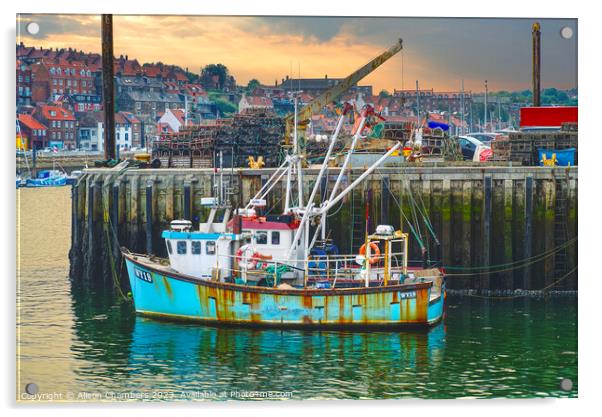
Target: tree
[(384, 93), (211, 70), (252, 85)]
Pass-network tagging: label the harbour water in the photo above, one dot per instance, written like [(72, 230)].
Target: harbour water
[(87, 345)]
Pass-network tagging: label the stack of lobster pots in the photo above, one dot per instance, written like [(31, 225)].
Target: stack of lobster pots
[(257, 133), (252, 133), (523, 147)]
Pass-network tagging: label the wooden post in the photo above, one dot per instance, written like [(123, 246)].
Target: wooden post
[(187, 201), (487, 232), (508, 277), (467, 256), (528, 231), (446, 257), (536, 35), (149, 217), (107, 85)]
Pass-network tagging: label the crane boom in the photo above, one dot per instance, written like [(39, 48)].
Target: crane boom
[(333, 93)]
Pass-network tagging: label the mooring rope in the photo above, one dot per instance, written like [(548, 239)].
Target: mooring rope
[(509, 297), (486, 267), (527, 261), (107, 223)]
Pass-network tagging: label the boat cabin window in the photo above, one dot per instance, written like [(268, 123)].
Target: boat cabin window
[(261, 238), (169, 246), (275, 238), (195, 247), (210, 247), (181, 247)]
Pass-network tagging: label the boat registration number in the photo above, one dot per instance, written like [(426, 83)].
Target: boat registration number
[(143, 275), (409, 294)]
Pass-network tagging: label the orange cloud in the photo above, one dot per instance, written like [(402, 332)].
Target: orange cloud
[(265, 49)]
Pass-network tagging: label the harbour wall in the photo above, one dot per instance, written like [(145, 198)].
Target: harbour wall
[(492, 228)]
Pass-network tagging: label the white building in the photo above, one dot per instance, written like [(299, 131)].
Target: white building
[(254, 102)]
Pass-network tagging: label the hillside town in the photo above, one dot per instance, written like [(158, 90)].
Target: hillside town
[(59, 101)]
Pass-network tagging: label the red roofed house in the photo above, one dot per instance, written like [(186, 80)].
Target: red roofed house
[(254, 102), (171, 121), (33, 131), (54, 78), (62, 130)]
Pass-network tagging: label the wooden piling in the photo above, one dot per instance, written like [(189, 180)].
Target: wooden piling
[(486, 279), (528, 222), (481, 217), (149, 217)]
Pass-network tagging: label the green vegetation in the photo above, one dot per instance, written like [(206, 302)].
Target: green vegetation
[(216, 69), (549, 96), (252, 85), (384, 93), (224, 105)]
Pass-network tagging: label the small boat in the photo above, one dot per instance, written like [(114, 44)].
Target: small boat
[(280, 270), (48, 178), (20, 181), (72, 178)]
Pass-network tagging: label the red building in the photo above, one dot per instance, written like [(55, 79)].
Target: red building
[(23, 84), (55, 78), (62, 129), (33, 131)]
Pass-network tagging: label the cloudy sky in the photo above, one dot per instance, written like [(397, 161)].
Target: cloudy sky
[(439, 52)]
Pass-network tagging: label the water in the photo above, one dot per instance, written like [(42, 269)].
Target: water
[(89, 346)]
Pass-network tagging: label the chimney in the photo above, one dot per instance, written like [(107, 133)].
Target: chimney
[(536, 35)]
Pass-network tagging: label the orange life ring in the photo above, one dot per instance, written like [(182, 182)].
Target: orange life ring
[(374, 252), (246, 257)]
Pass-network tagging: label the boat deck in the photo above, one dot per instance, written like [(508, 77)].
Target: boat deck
[(420, 276)]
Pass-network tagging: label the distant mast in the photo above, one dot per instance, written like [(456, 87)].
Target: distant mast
[(485, 121)]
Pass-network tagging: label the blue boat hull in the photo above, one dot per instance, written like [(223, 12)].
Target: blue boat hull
[(162, 293), (46, 182)]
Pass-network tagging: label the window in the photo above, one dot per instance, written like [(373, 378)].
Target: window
[(126, 136), (210, 247), (196, 247), (181, 247), (261, 238), (275, 238)]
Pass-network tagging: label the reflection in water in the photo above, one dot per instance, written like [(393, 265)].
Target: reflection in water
[(311, 364), (80, 338)]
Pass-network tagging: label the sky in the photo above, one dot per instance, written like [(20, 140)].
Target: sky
[(438, 52)]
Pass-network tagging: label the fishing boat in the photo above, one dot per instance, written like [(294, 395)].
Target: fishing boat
[(48, 178), (280, 270)]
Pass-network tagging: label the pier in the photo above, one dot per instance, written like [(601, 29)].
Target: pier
[(494, 228)]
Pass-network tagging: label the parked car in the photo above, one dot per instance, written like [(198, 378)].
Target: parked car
[(468, 146), (484, 137)]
